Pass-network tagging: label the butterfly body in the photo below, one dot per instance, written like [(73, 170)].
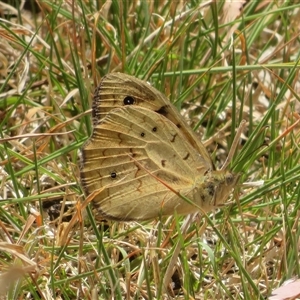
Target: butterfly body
[(142, 157)]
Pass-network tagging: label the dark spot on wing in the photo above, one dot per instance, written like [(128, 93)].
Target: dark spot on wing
[(133, 154), (187, 156), (162, 111), (163, 162), (173, 138)]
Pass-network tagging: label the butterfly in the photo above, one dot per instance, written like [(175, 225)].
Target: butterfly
[(142, 158)]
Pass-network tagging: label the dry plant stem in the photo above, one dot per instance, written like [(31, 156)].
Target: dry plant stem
[(234, 144), (173, 260)]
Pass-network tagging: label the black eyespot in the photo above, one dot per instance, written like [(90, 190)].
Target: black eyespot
[(128, 100), (142, 134), (154, 129), (113, 175)]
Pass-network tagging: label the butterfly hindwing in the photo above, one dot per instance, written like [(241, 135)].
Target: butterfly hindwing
[(141, 157)]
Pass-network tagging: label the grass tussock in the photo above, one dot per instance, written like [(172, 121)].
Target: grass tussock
[(219, 64)]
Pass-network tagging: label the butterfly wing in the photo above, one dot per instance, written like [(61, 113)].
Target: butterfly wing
[(119, 90), (141, 164)]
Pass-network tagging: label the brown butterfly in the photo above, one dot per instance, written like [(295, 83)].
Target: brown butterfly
[(143, 159)]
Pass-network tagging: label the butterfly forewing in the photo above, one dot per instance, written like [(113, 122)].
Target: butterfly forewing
[(119, 90)]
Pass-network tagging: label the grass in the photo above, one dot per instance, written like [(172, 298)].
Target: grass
[(218, 68)]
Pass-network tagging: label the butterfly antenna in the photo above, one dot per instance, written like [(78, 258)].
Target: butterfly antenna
[(234, 144)]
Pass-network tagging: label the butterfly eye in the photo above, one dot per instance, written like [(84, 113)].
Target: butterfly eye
[(211, 189), (113, 175), (230, 178), (128, 100)]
